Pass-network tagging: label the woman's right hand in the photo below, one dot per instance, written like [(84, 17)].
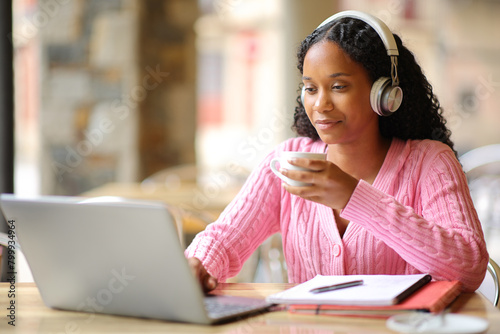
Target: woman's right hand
[(207, 281)]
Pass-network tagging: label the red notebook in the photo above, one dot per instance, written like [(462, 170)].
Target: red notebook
[(433, 297)]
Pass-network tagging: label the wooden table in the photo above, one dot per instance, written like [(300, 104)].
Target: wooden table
[(32, 316)]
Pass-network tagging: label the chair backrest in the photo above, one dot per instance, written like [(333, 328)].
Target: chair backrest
[(490, 288), (480, 157), (482, 167)]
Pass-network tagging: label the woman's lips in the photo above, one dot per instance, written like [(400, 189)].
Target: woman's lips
[(325, 124)]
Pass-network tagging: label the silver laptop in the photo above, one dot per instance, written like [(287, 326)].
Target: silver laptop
[(114, 257)]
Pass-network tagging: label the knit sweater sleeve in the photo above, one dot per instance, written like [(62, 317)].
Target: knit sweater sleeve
[(439, 234), (246, 222)]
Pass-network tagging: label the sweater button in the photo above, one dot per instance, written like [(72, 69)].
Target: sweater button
[(336, 250)]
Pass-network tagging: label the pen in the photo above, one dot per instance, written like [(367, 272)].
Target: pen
[(337, 286)]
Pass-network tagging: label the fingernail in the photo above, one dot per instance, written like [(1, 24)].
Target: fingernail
[(211, 283)]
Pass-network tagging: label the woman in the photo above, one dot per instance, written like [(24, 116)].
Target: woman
[(391, 198)]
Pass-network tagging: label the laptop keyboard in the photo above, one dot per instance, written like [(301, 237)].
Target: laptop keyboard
[(224, 306)]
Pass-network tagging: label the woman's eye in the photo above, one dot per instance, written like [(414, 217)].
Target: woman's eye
[(310, 89), (338, 87)]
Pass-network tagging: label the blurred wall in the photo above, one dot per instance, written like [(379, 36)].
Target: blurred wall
[(113, 91), (167, 71), (86, 92), (106, 91)]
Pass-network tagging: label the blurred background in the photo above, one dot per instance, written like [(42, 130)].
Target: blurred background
[(141, 98)]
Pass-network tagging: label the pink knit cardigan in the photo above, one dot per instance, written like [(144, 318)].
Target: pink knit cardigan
[(417, 217)]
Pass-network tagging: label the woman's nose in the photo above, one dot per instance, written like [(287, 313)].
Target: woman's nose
[(323, 102)]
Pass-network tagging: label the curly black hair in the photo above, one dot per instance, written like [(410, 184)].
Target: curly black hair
[(420, 115)]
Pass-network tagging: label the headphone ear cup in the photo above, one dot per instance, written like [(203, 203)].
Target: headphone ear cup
[(302, 93), (376, 94), (385, 98)]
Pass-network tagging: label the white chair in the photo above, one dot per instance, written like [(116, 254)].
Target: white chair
[(482, 167), (479, 157), (490, 288)]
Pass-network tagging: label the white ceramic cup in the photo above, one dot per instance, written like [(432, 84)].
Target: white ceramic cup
[(283, 161)]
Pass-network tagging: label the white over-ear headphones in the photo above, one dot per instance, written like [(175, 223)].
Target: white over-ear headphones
[(386, 95)]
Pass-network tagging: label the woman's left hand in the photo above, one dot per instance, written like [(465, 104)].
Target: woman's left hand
[(329, 184)]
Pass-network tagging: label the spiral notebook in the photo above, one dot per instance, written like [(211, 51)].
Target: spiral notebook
[(376, 290), (434, 297)]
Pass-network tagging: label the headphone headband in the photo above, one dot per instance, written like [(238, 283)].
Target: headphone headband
[(380, 27)]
